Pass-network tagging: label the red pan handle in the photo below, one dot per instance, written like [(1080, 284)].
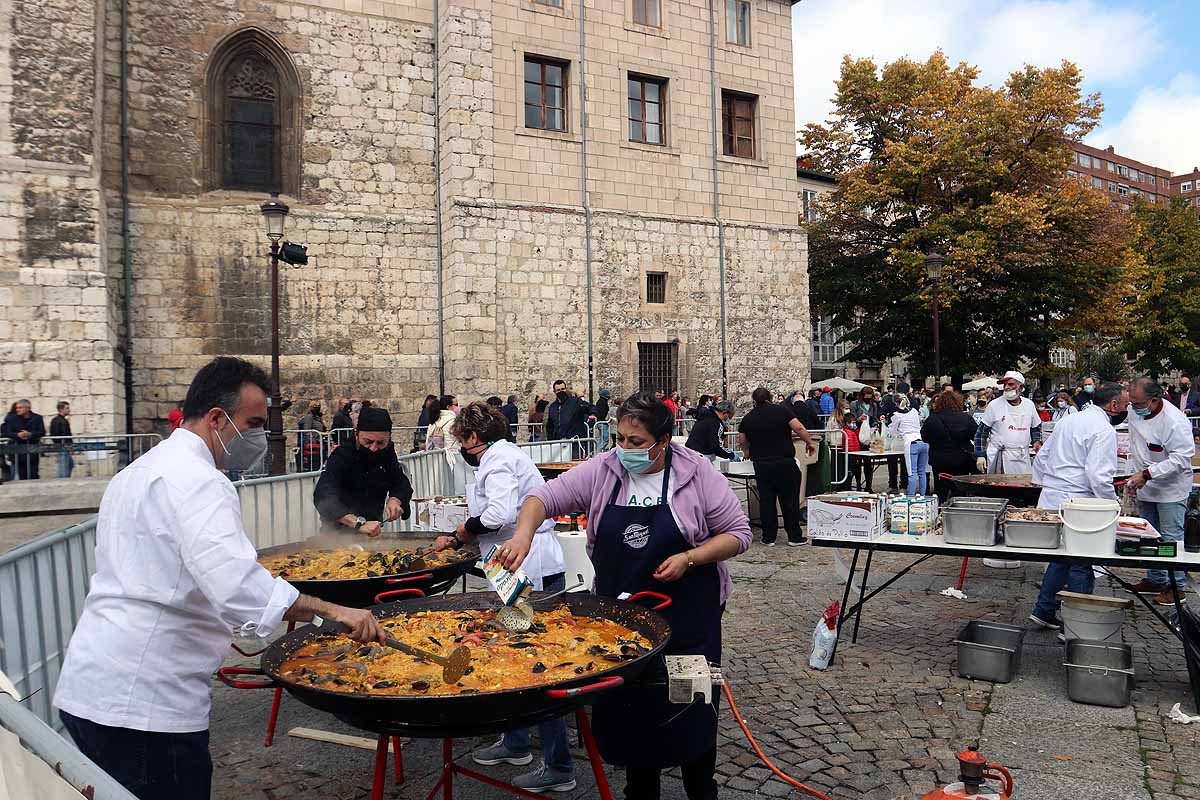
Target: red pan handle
[(251, 654), (946, 476), (225, 676), (422, 577), (666, 601), (382, 596), (598, 686)]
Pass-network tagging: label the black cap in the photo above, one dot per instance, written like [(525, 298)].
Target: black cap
[(374, 419)]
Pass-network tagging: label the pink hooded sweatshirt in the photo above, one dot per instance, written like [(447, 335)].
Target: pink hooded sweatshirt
[(702, 501)]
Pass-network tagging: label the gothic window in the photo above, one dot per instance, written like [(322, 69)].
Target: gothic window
[(253, 116)]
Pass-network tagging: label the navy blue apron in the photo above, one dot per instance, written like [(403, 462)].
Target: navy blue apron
[(635, 726)]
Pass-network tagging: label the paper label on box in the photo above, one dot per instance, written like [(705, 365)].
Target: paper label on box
[(508, 585)]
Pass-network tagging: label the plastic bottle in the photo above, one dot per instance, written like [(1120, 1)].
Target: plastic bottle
[(1191, 525), (825, 637)]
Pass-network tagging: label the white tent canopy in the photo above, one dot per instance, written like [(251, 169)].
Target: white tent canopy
[(980, 383), (845, 384)]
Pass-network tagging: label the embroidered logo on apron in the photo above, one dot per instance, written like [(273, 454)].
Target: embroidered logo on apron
[(636, 536)]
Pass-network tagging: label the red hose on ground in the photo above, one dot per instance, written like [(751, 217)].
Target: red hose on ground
[(758, 751)]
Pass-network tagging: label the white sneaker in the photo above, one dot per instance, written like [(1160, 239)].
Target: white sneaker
[(499, 754)]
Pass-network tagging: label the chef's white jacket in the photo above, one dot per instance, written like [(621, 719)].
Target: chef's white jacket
[(1079, 460), (1012, 429), (1163, 444), (175, 576), (506, 475)]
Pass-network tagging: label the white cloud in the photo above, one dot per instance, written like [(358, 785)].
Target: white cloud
[(1160, 127), (1110, 45)]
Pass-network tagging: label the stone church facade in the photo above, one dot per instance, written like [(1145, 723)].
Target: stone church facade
[(459, 210)]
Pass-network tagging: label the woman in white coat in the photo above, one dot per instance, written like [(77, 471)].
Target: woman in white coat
[(906, 424), (504, 476)]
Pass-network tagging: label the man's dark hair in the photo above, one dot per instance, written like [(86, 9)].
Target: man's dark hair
[(62, 404), (648, 411), (219, 383), (445, 401), (494, 401), (512, 398), (1149, 387), (761, 396), (705, 399), (1107, 392), (559, 382)]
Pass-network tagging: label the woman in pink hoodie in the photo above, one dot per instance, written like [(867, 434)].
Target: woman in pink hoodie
[(661, 519)]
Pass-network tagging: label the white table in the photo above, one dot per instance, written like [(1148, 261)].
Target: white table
[(936, 545)]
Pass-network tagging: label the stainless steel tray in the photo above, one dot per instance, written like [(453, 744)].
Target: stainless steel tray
[(1040, 535), (965, 520), (989, 651), (1099, 673)]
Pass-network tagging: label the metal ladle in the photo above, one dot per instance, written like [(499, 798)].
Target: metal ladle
[(518, 618), (454, 666)]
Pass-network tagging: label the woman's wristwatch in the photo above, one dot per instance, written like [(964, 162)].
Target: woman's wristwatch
[(359, 522), (691, 562)]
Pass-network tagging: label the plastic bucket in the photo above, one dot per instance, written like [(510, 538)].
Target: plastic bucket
[(1088, 622), (1090, 526)]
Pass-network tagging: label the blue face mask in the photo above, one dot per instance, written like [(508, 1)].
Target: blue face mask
[(1141, 412), (635, 461), (1089, 388)]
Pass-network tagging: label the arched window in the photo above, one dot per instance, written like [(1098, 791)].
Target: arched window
[(253, 107)]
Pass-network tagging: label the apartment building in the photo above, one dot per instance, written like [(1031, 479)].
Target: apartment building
[(1124, 178)]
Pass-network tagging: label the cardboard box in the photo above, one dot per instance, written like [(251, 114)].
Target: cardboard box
[(847, 515)]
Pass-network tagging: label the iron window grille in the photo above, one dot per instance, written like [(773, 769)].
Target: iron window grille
[(658, 367)]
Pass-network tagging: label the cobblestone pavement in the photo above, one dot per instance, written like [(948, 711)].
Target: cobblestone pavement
[(883, 723)]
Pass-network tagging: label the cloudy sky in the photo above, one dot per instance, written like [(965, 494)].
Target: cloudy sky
[(1141, 56)]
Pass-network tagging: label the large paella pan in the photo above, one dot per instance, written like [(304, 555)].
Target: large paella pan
[(492, 698)]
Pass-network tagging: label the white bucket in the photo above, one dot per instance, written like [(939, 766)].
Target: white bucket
[(1089, 622), (1090, 526)]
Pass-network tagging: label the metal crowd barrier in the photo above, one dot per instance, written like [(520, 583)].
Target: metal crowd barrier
[(79, 456)]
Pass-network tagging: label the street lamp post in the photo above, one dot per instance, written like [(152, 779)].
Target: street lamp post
[(274, 213), (933, 268)]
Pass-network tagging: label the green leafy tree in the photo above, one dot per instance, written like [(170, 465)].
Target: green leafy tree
[(926, 159), (1165, 289)]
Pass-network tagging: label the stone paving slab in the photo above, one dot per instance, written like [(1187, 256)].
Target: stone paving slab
[(883, 723)]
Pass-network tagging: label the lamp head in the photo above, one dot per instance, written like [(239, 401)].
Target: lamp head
[(933, 264), (274, 213)]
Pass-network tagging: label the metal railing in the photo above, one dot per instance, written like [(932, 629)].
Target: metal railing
[(82, 456)]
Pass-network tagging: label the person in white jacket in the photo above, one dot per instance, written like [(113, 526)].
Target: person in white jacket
[(906, 424), (1162, 446), (1079, 460), (1009, 431), (504, 476)]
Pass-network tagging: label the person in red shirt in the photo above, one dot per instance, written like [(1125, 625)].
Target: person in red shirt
[(851, 443), (175, 416)]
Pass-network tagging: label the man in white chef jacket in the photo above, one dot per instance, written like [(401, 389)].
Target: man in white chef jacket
[(175, 578), (1161, 446), (1009, 431), (1079, 460)]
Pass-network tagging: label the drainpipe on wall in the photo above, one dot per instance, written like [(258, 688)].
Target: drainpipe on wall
[(126, 262), (716, 201), (437, 191), (587, 206)]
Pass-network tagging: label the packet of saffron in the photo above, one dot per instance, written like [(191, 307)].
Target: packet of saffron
[(510, 586)]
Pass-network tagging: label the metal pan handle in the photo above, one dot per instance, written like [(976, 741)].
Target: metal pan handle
[(395, 593), (666, 601), (225, 676), (598, 686), (422, 577)]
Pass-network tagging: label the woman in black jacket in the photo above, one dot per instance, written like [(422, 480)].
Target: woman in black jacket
[(950, 432)]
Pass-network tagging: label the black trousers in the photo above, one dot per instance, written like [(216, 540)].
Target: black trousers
[(779, 479), (643, 783), (27, 466), (152, 766), (897, 464)]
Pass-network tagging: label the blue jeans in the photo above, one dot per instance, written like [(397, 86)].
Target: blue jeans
[(1072, 577), (1168, 519), (152, 766), (556, 751), (65, 465), (602, 427), (918, 455)]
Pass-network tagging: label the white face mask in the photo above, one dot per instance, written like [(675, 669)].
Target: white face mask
[(1010, 394), (245, 450), (1062, 403)]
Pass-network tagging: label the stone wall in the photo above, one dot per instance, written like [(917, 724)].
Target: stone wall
[(362, 315), (58, 334)]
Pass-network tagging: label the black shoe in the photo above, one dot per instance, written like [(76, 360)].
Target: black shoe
[(770, 543), (1052, 624), (797, 542)]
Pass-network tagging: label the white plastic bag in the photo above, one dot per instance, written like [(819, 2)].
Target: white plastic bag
[(824, 637)]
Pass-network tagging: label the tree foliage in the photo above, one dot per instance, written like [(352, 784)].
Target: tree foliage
[(1164, 291), (926, 159)]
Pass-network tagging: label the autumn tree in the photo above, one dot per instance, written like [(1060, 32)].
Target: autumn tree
[(1165, 289), (927, 159)]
